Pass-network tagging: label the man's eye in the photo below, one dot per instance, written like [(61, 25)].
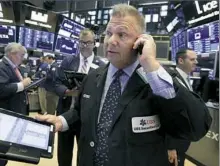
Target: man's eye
[(108, 33), (121, 35)]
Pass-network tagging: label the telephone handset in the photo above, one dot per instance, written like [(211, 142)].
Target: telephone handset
[(138, 50)]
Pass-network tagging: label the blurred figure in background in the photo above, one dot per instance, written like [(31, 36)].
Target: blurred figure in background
[(51, 97), (40, 73), (186, 60), (25, 69)]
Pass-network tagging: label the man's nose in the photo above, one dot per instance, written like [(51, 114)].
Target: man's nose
[(113, 40)]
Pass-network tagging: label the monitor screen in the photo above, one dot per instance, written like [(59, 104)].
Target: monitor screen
[(7, 34), (162, 49), (204, 38), (66, 45), (24, 132), (207, 60), (178, 41), (70, 28), (214, 35), (35, 39)]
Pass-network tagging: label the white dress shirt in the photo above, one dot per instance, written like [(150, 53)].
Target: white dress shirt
[(89, 62), (185, 77)]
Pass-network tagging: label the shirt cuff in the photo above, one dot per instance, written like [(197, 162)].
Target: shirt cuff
[(64, 123), (161, 73), (20, 87), (161, 83)]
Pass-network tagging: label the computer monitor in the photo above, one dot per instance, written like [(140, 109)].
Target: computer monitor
[(7, 34), (66, 45), (35, 39), (207, 60)]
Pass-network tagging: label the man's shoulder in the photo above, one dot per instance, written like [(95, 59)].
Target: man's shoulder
[(100, 61)]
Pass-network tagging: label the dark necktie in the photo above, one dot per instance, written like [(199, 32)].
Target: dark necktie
[(105, 120)]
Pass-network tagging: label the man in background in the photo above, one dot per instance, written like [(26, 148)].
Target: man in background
[(40, 73), (12, 84), (186, 60), (51, 97), (84, 62)]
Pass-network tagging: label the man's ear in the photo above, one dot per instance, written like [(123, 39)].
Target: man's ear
[(181, 61)]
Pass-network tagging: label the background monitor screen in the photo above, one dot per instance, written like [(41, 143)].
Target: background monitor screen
[(207, 60), (70, 28), (204, 38), (7, 34), (66, 45), (178, 41), (162, 49), (35, 39)]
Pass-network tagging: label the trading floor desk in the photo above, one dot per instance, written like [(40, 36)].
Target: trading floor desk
[(206, 151)]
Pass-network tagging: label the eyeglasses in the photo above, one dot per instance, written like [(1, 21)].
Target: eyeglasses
[(88, 43)]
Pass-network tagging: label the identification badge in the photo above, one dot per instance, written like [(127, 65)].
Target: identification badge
[(145, 124)]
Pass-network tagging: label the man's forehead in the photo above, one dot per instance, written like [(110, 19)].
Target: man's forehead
[(127, 22), (191, 54)]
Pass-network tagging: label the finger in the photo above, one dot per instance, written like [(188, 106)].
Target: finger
[(47, 118), (175, 161), (138, 42)]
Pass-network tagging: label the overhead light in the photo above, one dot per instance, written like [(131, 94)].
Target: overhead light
[(147, 18), (140, 9), (155, 18), (164, 7), (155, 3), (110, 11), (77, 19), (92, 13), (163, 13), (83, 21)]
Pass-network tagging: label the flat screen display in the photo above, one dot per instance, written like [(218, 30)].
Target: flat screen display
[(24, 132), (7, 34), (36, 39), (70, 28), (204, 38), (178, 41), (66, 45)]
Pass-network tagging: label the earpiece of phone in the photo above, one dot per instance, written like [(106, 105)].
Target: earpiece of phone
[(139, 49)]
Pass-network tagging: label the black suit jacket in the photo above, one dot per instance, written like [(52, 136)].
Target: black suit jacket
[(180, 145), (9, 98), (184, 116), (69, 63)]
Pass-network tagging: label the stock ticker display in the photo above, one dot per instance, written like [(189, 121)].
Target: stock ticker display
[(36, 39), (66, 45), (178, 40), (204, 38), (69, 28), (7, 34)]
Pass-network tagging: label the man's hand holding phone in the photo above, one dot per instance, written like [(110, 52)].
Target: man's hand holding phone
[(148, 57)]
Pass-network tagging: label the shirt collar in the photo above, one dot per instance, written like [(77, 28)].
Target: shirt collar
[(89, 59), (182, 73), (10, 62), (128, 70)]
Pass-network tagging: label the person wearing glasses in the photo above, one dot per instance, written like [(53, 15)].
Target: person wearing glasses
[(85, 62)]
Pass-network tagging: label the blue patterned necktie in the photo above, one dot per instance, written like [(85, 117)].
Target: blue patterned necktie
[(105, 120)]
